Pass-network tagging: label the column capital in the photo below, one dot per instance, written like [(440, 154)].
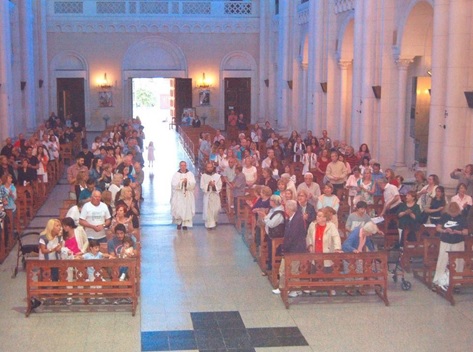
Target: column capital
[(404, 62), (344, 64)]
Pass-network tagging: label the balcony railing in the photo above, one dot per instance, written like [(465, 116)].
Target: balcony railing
[(246, 8)]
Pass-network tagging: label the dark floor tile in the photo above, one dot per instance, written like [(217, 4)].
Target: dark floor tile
[(176, 344), (238, 342), (202, 316), (287, 331), (210, 343), (205, 325), (154, 334), (182, 334), (265, 341), (241, 350), (231, 324), (227, 315), (207, 333), (292, 341), (234, 332), (154, 344)]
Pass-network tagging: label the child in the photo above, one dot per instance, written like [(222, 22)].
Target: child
[(94, 253), (150, 154), (126, 250)]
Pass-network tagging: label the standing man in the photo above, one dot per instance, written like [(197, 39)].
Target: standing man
[(312, 188), (95, 217), (72, 172), (228, 176), (336, 173), (182, 197), (211, 184), (294, 242)]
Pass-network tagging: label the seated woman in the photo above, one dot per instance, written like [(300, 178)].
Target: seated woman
[(282, 185), (428, 191), (250, 172), (409, 215), (435, 207), (26, 175), (75, 238), (121, 217), (452, 228)]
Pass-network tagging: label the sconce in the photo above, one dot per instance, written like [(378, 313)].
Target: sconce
[(429, 72), (289, 84), (323, 85), (204, 84), (104, 84), (266, 83), (23, 85), (40, 83), (377, 91)]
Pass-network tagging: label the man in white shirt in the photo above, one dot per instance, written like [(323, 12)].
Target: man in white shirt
[(95, 217), (391, 196), (312, 188)]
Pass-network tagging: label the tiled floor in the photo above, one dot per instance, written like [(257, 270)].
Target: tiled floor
[(191, 277)]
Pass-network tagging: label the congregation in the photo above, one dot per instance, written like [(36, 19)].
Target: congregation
[(339, 192)]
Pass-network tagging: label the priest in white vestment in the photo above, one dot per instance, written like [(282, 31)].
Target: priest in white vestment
[(211, 184), (182, 197)]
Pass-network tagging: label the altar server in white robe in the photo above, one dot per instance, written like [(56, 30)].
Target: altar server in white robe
[(182, 197), (211, 184)]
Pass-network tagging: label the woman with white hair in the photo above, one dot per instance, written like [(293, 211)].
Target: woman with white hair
[(359, 238)]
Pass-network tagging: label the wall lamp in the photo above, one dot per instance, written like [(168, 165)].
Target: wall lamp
[(204, 83), (104, 83)]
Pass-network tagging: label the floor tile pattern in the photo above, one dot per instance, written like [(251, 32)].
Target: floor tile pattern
[(221, 331)]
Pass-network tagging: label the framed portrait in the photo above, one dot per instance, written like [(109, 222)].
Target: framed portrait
[(187, 116), (105, 99), (204, 97)]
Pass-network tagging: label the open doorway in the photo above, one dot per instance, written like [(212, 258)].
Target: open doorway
[(152, 101)]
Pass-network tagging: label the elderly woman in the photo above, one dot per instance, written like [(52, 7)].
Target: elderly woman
[(452, 228), (274, 223), (126, 197), (266, 179), (323, 237), (359, 238)]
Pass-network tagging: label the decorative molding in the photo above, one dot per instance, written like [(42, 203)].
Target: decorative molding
[(344, 5), (303, 16), (250, 26), (404, 62), (344, 64)]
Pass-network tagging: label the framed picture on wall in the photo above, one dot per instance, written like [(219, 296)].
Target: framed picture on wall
[(187, 116), (105, 99), (204, 97)]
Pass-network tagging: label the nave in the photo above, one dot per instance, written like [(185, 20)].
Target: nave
[(201, 290)]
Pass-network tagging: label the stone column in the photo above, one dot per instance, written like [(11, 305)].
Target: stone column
[(303, 97), (403, 65), (456, 148), (27, 63), (344, 65), (263, 64), (6, 78), (42, 57), (439, 77), (358, 108), (284, 63)]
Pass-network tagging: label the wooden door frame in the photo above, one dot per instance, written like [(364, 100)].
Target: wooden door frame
[(70, 74), (127, 87)]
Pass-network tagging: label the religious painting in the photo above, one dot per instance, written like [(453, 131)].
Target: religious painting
[(204, 97), (105, 99)]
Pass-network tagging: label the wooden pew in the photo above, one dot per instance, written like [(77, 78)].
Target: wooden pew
[(414, 247), (106, 284), (459, 278), (276, 256), (344, 273), (431, 252)]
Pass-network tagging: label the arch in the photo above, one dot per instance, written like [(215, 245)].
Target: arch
[(170, 56), (238, 60), (345, 38), (68, 60), (414, 36)]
